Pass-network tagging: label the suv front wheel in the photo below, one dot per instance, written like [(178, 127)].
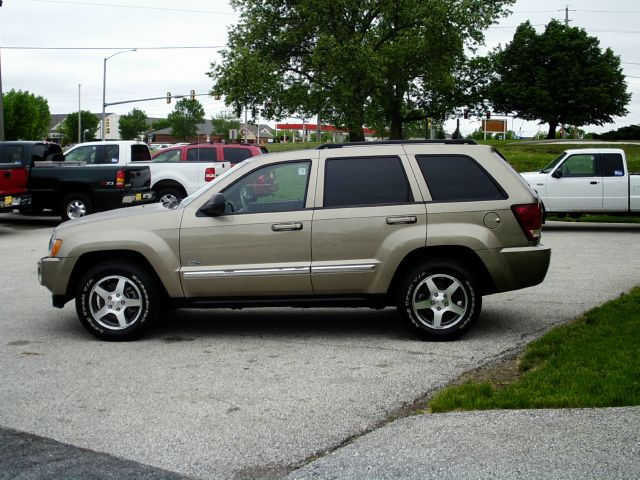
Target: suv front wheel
[(439, 301), (117, 300)]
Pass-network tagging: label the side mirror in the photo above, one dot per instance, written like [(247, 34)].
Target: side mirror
[(215, 206), (557, 173)]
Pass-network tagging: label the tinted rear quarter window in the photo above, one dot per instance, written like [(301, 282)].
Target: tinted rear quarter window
[(202, 155), (235, 155), (11, 154), (457, 178), (613, 165), (362, 181), (140, 153)]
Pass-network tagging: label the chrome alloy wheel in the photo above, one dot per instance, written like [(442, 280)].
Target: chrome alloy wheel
[(76, 209), (440, 301), (115, 302)]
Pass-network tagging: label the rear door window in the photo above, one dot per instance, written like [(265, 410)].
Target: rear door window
[(202, 155), (457, 178), (612, 165), (236, 154), (365, 181)]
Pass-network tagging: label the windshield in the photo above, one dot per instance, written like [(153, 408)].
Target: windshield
[(550, 166), (187, 200)]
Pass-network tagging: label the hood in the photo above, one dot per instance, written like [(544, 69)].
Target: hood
[(127, 216), (534, 177)]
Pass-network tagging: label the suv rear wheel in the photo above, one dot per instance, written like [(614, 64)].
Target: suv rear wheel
[(117, 300), (439, 300)]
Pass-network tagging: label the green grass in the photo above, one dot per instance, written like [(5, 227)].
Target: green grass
[(592, 362)]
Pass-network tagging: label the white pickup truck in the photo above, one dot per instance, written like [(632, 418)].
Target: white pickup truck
[(169, 180), (589, 180)]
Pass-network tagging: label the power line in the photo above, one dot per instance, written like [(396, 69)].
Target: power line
[(112, 48), (114, 5)]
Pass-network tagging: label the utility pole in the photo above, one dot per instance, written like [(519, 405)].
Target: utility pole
[(1, 104), (566, 16), (79, 117)]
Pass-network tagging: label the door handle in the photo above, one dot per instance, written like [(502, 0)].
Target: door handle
[(400, 220), (286, 227), (594, 182)]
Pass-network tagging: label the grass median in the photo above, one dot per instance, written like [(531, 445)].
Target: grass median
[(592, 362)]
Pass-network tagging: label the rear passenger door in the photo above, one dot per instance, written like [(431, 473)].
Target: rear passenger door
[(368, 216)]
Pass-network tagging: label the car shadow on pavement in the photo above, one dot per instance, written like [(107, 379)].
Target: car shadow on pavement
[(279, 322)]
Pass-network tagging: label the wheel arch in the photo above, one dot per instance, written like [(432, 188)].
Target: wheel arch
[(167, 183), (456, 254), (88, 260)]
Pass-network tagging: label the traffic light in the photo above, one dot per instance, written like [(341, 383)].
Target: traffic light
[(106, 126), (465, 113), (168, 97), (192, 95), (488, 114)]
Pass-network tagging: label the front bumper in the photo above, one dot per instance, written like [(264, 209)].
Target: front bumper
[(54, 273)]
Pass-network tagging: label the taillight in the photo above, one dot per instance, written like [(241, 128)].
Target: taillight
[(209, 174), (529, 217), (120, 179)]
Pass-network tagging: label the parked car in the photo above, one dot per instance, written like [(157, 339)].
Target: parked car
[(81, 182), (587, 180), (209, 152), (428, 227)]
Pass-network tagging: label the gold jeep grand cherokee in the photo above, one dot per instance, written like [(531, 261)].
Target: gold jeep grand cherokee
[(428, 227)]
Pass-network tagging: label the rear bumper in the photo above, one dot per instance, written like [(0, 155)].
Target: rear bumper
[(139, 198), (9, 202), (515, 268)]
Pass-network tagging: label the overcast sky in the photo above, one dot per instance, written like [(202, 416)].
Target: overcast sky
[(49, 47)]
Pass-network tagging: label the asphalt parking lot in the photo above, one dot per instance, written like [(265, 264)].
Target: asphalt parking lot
[(260, 393)]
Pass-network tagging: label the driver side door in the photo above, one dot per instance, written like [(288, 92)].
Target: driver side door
[(261, 245)]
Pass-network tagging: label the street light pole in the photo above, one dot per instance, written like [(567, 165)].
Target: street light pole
[(104, 87)]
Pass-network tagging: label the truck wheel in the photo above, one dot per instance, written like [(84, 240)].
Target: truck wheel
[(74, 206), (439, 300), (117, 300), (169, 195)]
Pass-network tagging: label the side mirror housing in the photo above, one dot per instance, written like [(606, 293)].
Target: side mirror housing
[(557, 173), (215, 206)]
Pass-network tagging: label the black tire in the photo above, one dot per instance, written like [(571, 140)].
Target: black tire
[(439, 300), (74, 206), (117, 300), (169, 195)]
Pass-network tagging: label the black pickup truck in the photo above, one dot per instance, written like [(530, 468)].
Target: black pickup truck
[(75, 189)]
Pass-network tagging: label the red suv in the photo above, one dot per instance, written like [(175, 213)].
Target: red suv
[(209, 152)]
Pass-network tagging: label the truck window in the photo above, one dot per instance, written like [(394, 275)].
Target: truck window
[(457, 178), (613, 165), (140, 153), (86, 154), (364, 181), (580, 165), (12, 154), (111, 154)]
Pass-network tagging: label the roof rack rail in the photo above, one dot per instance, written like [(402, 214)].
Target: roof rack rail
[(397, 142)]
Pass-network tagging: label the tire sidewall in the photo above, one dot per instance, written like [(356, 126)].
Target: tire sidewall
[(83, 303), (413, 281)]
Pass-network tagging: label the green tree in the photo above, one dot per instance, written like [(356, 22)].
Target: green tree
[(185, 118), (132, 124), (26, 117), (560, 76), (353, 62), (160, 124), (223, 122), (89, 125)]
